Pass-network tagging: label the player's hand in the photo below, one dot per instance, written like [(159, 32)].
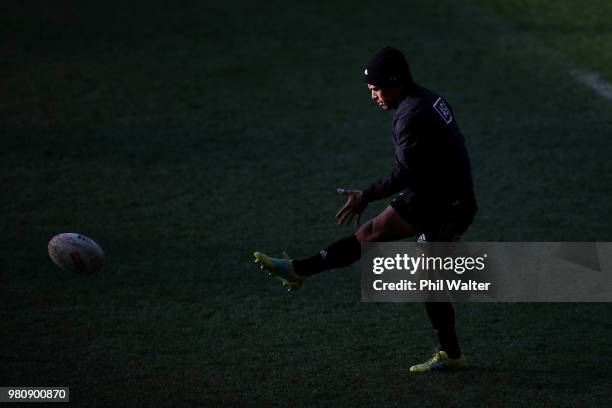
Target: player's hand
[(351, 211)]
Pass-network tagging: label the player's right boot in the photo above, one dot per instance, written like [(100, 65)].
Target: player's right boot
[(282, 269)]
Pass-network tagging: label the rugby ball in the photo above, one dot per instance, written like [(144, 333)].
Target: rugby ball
[(76, 253)]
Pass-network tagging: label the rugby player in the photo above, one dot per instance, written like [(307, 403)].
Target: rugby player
[(432, 177)]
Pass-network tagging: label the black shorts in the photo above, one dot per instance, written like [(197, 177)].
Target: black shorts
[(436, 222)]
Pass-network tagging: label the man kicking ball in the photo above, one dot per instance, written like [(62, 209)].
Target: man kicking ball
[(432, 175)]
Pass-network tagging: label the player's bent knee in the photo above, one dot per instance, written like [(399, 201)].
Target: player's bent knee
[(364, 232), (367, 233)]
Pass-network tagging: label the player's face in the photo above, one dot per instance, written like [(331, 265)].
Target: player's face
[(386, 98)]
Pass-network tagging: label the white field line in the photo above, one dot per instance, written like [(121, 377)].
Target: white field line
[(593, 81)]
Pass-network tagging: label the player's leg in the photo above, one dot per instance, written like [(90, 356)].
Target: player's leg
[(442, 318), (449, 356), (442, 314), (386, 226)]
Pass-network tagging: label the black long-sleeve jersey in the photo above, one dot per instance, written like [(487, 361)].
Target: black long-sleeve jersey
[(431, 159)]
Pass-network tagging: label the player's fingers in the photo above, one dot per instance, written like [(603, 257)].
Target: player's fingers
[(348, 220), (346, 207), (340, 213), (345, 217), (342, 218)]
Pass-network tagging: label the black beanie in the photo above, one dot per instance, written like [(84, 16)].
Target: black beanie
[(387, 67)]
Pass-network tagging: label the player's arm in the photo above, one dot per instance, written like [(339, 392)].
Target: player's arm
[(401, 176), (407, 151)]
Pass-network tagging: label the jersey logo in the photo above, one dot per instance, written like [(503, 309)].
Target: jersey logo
[(442, 109)]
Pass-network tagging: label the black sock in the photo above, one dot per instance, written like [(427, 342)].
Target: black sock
[(442, 317), (338, 255)]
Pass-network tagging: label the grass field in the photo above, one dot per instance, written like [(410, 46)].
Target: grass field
[(182, 138)]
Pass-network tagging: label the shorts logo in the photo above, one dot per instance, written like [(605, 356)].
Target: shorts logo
[(442, 109)]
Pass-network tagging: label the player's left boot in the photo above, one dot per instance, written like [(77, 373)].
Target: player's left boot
[(282, 269), (440, 362)]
